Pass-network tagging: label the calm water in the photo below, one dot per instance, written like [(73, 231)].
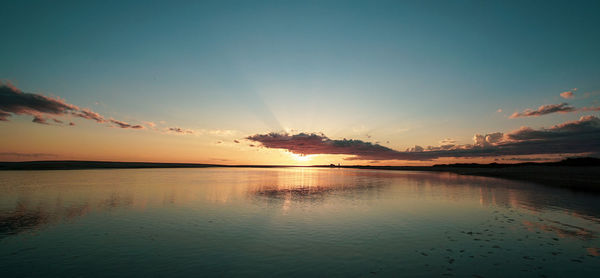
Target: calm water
[(291, 222)]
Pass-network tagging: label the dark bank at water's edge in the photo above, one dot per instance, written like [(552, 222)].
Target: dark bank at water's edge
[(581, 174)]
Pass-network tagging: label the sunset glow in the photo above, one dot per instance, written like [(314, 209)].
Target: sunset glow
[(300, 138), (249, 86), (302, 158)]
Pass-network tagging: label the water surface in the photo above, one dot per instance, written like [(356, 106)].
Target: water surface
[(291, 222)]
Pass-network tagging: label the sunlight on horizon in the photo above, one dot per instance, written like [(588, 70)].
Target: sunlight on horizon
[(302, 158)]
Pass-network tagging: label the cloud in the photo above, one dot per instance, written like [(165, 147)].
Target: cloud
[(544, 110), (39, 119), (553, 108), (492, 138), (26, 155), (585, 125), (219, 132), (447, 141), (416, 148), (528, 159), (122, 124), (312, 143), (567, 95), (592, 108), (180, 130), (149, 124), (581, 136), (16, 102), (4, 115), (90, 115)]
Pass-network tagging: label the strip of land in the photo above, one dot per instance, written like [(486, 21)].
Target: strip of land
[(573, 173), (581, 178), (582, 174)]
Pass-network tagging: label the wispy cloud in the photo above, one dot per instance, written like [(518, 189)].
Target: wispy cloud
[(567, 95), (149, 124), (90, 115), (43, 108), (48, 110), (552, 108), (14, 101), (122, 124), (26, 155), (591, 108), (581, 136), (528, 159), (4, 115), (180, 130), (544, 110), (218, 132), (200, 132)]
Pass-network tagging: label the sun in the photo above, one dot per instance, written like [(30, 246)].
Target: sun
[(301, 158)]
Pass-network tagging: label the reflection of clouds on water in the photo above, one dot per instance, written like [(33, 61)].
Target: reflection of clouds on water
[(561, 230), (40, 203), (27, 217), (536, 199), (31, 215), (116, 200), (20, 221), (316, 186), (297, 192), (314, 193)]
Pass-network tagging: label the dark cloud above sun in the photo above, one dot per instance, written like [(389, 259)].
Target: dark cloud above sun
[(580, 136)]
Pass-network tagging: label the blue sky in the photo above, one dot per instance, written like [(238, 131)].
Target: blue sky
[(437, 69)]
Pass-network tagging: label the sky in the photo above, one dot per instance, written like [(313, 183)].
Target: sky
[(300, 82)]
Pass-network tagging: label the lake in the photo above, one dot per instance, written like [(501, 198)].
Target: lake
[(291, 222)]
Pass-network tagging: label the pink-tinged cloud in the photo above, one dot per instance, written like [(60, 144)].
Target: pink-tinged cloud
[(581, 136), (544, 110), (90, 115), (15, 102), (4, 115), (150, 124), (122, 124), (567, 95), (39, 119), (586, 125)]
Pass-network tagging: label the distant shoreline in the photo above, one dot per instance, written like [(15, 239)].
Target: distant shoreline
[(574, 173)]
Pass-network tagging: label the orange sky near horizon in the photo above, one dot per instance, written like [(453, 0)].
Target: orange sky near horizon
[(31, 142)]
